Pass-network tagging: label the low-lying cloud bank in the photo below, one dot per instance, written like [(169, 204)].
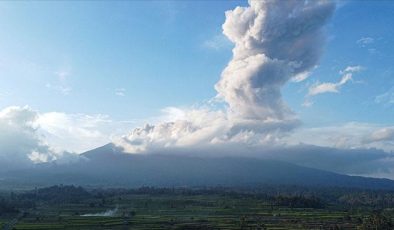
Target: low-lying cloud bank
[(353, 148), (19, 141), (28, 136), (352, 161)]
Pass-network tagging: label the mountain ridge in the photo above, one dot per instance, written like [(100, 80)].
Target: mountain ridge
[(109, 166)]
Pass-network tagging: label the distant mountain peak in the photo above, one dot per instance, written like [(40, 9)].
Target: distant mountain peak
[(105, 151)]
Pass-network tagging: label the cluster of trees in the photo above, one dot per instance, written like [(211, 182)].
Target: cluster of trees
[(6, 206), (377, 220), (57, 194), (292, 196), (13, 203)]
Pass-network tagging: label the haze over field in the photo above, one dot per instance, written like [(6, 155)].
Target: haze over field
[(309, 83)]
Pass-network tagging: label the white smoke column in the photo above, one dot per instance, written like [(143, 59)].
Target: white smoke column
[(274, 42), (108, 213)]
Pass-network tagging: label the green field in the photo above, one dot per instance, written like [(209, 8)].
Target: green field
[(188, 211)]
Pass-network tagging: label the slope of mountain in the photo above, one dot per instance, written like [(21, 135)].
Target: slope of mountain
[(108, 166)]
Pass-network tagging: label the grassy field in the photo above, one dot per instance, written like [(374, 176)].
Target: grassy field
[(174, 211)]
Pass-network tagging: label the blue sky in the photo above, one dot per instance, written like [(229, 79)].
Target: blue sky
[(150, 49), (90, 72)]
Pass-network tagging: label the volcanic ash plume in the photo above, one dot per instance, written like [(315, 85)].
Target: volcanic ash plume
[(275, 41)]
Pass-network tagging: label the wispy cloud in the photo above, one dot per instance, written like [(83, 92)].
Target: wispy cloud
[(59, 88), (217, 42), (60, 83), (365, 41), (331, 87), (301, 76), (350, 135), (121, 92), (386, 98), (4, 95), (351, 69), (62, 75), (75, 132)]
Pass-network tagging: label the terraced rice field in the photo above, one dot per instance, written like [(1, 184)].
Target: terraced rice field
[(183, 212)]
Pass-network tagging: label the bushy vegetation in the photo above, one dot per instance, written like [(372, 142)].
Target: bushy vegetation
[(57, 194), (7, 206)]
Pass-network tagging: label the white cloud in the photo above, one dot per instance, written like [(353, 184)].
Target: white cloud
[(121, 92), (37, 157), (352, 69), (383, 134), (331, 87), (372, 51), (217, 42), (29, 136), (60, 84), (62, 75), (339, 148), (59, 88), (355, 148), (301, 76), (351, 135), (307, 103), (201, 126), (4, 95), (386, 98), (365, 41), (19, 137), (76, 132)]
